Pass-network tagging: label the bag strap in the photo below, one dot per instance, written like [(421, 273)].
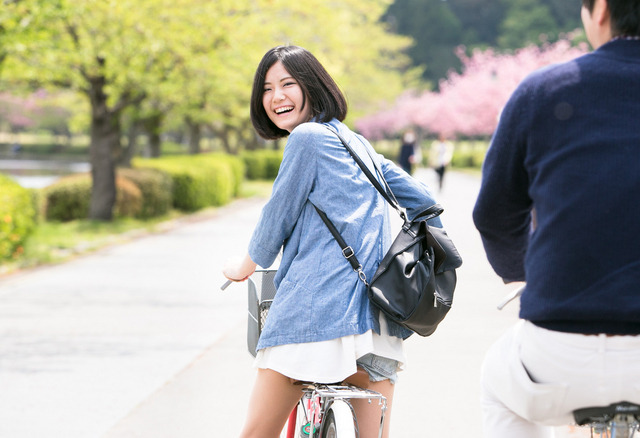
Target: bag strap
[(347, 251), (385, 191), (387, 194)]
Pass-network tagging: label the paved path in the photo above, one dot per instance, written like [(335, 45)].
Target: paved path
[(137, 340)]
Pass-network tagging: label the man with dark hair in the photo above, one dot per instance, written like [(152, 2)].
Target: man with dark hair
[(567, 153)]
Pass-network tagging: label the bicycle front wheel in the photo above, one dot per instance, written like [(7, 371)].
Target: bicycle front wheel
[(339, 421)]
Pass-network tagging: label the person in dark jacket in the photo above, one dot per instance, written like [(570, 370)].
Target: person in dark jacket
[(408, 152), (567, 148)]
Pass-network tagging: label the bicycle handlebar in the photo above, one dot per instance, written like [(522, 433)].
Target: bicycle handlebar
[(510, 297)]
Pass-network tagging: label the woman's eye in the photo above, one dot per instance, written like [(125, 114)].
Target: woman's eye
[(287, 84)]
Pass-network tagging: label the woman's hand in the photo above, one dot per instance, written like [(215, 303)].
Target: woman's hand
[(239, 269)]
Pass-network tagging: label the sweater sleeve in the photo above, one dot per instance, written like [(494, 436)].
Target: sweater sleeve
[(290, 192), (502, 213)]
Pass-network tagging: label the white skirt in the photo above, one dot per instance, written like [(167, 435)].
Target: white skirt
[(330, 361)]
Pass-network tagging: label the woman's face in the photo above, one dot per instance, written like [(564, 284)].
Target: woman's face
[(283, 98)]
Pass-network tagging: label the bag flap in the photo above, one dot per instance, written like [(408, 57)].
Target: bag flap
[(446, 253)]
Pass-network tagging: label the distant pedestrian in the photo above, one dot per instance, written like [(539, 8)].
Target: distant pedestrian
[(409, 152), (441, 155)]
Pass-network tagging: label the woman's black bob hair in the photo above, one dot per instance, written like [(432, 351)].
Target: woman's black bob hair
[(319, 89)]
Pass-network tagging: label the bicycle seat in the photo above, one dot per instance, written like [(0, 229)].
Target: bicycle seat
[(603, 414), (360, 379)]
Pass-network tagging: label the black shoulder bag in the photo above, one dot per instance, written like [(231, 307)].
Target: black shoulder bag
[(415, 281)]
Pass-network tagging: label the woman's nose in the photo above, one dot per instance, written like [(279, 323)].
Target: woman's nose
[(278, 95)]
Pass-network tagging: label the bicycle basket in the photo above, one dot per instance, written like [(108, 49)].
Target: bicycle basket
[(260, 295)]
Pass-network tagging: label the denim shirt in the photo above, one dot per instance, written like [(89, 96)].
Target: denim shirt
[(319, 296)]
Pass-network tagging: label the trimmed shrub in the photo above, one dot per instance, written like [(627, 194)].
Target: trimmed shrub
[(128, 199), (68, 198), (199, 181), (256, 167), (262, 164), (236, 164), (17, 217), (466, 158), (156, 187), (273, 159)]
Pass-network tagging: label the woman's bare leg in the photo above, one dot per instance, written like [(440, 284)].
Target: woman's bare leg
[(368, 414), (273, 398)]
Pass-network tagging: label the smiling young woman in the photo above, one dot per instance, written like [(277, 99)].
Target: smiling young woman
[(321, 310)]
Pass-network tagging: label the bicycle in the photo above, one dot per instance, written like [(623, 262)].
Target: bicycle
[(618, 420), (324, 410)]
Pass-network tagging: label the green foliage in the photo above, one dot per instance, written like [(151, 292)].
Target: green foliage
[(262, 164), (469, 155), (236, 165), (195, 59), (199, 181), (438, 27), (434, 37), (526, 22), (156, 188), (68, 198), (128, 199), (17, 217)]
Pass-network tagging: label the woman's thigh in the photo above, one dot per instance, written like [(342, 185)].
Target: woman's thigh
[(369, 414), (274, 396)]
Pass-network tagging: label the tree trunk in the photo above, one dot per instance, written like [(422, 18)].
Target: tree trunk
[(152, 125), (130, 151), (105, 145), (195, 135), (154, 145)]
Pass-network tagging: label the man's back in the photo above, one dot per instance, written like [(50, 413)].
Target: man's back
[(572, 151), (567, 153)]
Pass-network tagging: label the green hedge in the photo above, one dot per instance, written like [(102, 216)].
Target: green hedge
[(262, 164), (69, 198), (465, 158), (17, 217), (236, 164), (199, 181), (156, 188)]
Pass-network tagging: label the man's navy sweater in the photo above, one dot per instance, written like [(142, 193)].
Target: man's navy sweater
[(568, 147)]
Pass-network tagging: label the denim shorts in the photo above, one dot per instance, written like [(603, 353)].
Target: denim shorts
[(379, 368)]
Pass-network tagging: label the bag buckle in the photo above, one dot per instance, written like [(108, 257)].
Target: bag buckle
[(362, 275), (348, 252)]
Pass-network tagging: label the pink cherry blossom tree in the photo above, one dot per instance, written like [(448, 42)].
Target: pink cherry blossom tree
[(468, 104)]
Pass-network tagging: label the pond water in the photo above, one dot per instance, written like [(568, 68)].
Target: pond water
[(36, 173)]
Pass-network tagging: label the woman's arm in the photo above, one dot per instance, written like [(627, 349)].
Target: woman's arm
[(290, 193), (412, 195)]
